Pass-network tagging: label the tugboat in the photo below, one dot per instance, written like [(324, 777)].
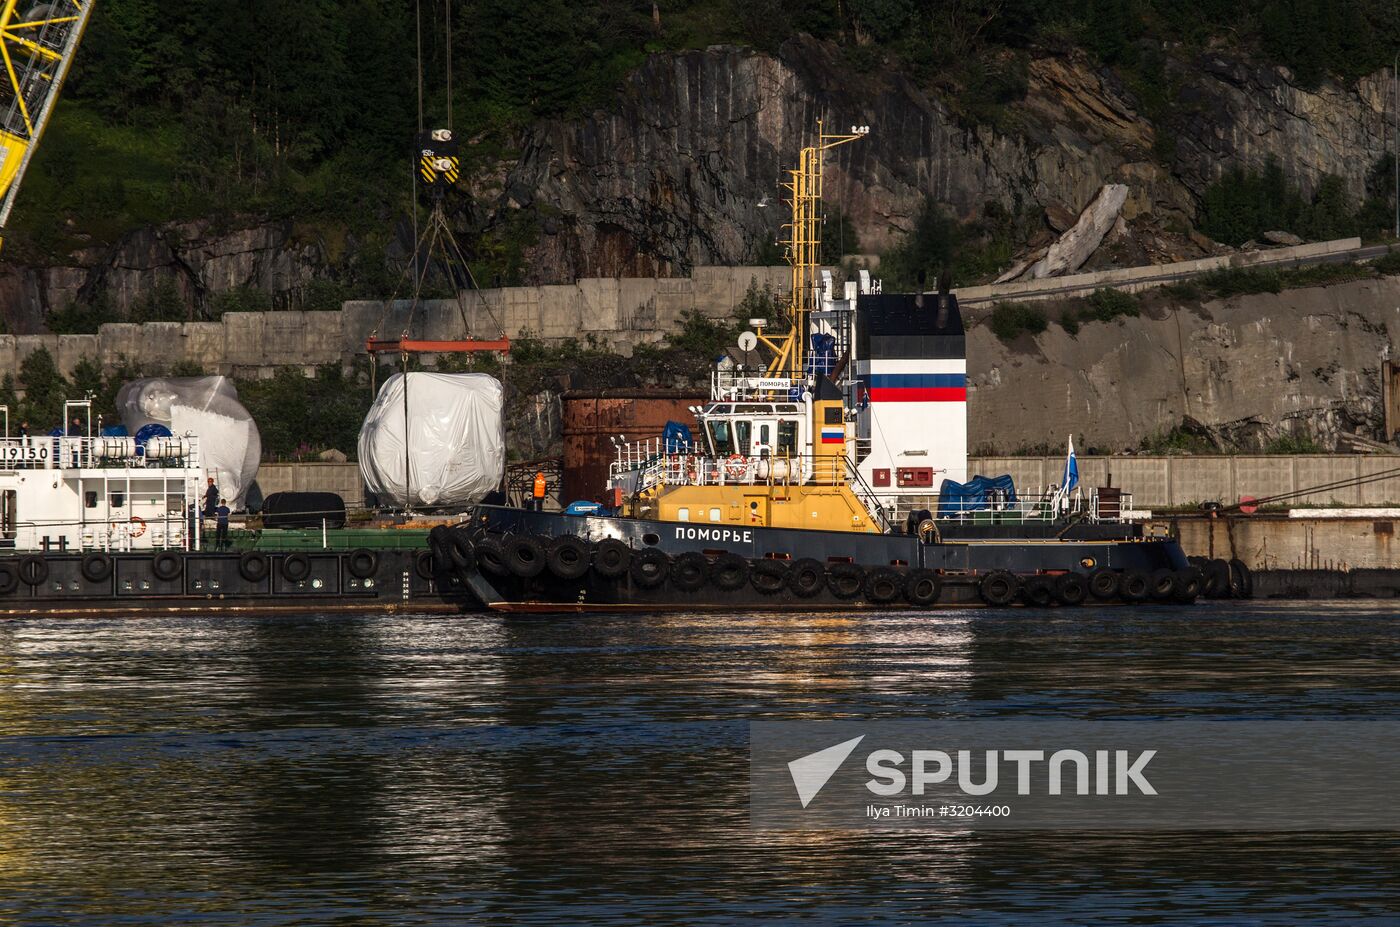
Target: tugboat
[(829, 472)]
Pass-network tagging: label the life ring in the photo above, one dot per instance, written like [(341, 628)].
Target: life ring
[(140, 526), (736, 466)]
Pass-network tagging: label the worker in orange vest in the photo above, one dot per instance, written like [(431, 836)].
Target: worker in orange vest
[(541, 487)]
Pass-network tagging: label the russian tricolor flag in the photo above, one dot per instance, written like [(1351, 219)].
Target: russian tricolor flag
[(918, 387), (833, 435)]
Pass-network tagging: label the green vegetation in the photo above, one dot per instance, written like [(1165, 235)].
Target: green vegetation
[(968, 252), (1293, 444), (1243, 205), (1009, 320)]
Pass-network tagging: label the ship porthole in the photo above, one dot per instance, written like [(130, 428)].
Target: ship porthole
[(1088, 563), (651, 540)]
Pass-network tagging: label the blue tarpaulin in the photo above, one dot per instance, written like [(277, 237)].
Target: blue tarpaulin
[(676, 438), (582, 507), (957, 498)]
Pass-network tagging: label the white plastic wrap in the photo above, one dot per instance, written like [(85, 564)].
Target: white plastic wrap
[(208, 408), (456, 450)]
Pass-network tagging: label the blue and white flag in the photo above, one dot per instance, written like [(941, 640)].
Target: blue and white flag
[(1071, 477)]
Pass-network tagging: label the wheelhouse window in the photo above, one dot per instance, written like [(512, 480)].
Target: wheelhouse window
[(721, 439), (743, 430), (787, 439)]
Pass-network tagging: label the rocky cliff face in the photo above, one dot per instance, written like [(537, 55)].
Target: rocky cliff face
[(198, 259), (675, 174), (682, 169), (1243, 371)]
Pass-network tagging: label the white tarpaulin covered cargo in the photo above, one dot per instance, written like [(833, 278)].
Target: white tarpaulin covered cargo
[(456, 450), (208, 408)]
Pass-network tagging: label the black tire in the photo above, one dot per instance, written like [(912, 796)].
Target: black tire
[(33, 570), (999, 588), (1162, 585), (9, 577), (1071, 589), (845, 580), (1241, 580), (362, 563), (1134, 586), (1038, 591), (97, 566), (461, 553), (729, 572), (253, 566), (1103, 584), (438, 535), (883, 585), (296, 567), (689, 571), (568, 557), (769, 576), (611, 558), (491, 556), (425, 564), (1188, 585), (649, 568), (525, 556), (167, 565), (922, 588), (1217, 584), (806, 578)]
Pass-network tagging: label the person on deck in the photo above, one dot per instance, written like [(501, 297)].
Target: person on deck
[(221, 525), (541, 489), (211, 499)]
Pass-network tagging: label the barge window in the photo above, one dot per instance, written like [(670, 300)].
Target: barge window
[(720, 438), (787, 438)]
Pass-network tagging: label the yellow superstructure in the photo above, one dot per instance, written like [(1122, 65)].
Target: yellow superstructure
[(773, 449), (37, 44)]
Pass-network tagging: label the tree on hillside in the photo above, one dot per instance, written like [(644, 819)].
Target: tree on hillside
[(44, 392)]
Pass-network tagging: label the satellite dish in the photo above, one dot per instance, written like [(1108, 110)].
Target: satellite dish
[(747, 341)]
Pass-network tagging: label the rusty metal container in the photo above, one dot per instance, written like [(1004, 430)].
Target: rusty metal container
[(593, 418)]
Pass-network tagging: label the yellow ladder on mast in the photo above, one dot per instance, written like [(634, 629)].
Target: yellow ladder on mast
[(36, 48)]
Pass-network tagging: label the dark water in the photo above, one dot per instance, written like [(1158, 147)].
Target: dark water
[(594, 770)]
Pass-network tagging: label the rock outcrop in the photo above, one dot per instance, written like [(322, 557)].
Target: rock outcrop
[(1074, 247), (198, 259), (1246, 370)]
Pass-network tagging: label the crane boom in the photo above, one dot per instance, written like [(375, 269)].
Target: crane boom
[(36, 50)]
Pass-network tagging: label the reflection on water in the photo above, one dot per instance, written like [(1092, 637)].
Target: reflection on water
[(594, 769)]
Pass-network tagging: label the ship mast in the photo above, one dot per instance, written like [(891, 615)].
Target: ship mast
[(803, 253)]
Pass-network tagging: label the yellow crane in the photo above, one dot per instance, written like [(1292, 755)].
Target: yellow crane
[(37, 45)]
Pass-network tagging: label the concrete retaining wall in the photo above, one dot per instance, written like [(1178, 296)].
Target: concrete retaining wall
[(620, 313), (1174, 482), (1274, 543), (341, 478), (1133, 279)]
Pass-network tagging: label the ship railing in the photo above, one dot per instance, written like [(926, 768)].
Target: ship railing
[(53, 452), (739, 384), (1044, 505)]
